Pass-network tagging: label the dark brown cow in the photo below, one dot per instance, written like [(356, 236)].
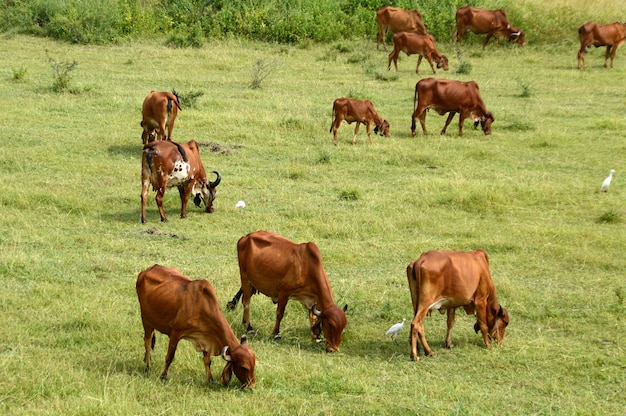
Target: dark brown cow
[(491, 22), (159, 111), (167, 164), (398, 20), (283, 270), (448, 96), (182, 308), (361, 112), (446, 280), (413, 43), (612, 36)]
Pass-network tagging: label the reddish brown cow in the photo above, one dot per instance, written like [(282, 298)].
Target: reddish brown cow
[(398, 20), (491, 22), (361, 111), (612, 36), (413, 43), (283, 270), (159, 111), (182, 308), (446, 280), (167, 164), (448, 96)]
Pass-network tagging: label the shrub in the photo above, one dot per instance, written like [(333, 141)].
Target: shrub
[(62, 72)]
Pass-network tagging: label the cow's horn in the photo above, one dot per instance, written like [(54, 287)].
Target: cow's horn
[(516, 34), (315, 311), (225, 354), (217, 180)]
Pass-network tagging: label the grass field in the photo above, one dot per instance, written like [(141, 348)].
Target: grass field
[(72, 242)]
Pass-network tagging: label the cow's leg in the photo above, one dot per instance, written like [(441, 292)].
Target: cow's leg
[(419, 61), (607, 55), (422, 116), (171, 352), (148, 342), (615, 48), (334, 128), (450, 322), (356, 130), (316, 326), (489, 35), (417, 330), (159, 201), (280, 312), (448, 121), (430, 61), (481, 319), (245, 301), (184, 192), (380, 38), (462, 115), (170, 128), (162, 130), (393, 56), (207, 364), (145, 184), (367, 128), (581, 57)]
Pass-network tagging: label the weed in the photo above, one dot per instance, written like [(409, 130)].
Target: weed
[(324, 157), (351, 195), (261, 70), (19, 74), (62, 72), (465, 68), (609, 217), (189, 99), (525, 87)]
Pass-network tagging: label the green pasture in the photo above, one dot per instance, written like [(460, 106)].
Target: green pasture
[(72, 242)]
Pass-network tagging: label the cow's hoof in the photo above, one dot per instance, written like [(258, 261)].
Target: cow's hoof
[(278, 338), (251, 331)]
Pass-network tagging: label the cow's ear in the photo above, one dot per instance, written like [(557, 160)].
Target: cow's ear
[(376, 130), (227, 374), (476, 122), (500, 311)]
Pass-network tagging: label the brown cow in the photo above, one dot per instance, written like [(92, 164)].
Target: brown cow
[(448, 96), (491, 22), (413, 43), (182, 308), (159, 111), (167, 164), (398, 20), (283, 270), (361, 111), (446, 280), (612, 36)]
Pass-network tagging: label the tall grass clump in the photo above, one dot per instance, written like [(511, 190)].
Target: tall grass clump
[(61, 74)]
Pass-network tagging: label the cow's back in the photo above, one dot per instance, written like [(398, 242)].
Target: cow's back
[(400, 20)]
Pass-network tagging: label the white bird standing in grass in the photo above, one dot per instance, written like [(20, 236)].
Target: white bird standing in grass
[(395, 328), (607, 181)]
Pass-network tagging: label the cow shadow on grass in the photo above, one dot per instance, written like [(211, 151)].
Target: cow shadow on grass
[(126, 150)]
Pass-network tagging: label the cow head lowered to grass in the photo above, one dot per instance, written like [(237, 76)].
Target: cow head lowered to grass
[(166, 164)]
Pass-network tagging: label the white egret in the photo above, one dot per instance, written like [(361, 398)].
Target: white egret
[(607, 181), (395, 328), (240, 204)]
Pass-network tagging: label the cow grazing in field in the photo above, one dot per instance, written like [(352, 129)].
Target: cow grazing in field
[(612, 36), (182, 308), (166, 164), (491, 22), (446, 280), (283, 270), (413, 43), (448, 96), (361, 112), (398, 20), (159, 111)]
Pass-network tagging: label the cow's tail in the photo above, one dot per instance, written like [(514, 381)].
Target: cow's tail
[(332, 119), (177, 101), (181, 150), (414, 283), (233, 303)]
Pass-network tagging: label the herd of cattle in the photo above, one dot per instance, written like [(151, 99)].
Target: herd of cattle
[(181, 308)]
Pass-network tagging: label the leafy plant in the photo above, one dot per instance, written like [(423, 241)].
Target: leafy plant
[(19, 74), (62, 74), (261, 69)]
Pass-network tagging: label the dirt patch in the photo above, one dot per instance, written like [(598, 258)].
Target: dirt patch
[(220, 148), (158, 233)]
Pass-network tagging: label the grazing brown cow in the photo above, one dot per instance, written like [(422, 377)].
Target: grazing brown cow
[(159, 111), (182, 308), (491, 22), (283, 270), (448, 96), (446, 280), (361, 111), (167, 164), (398, 20), (413, 43), (612, 36)]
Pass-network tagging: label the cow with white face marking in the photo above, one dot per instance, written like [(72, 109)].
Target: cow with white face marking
[(166, 164)]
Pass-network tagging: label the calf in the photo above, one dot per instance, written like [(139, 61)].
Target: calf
[(612, 36), (159, 111), (361, 112), (182, 308), (446, 280), (448, 96), (412, 43), (166, 164)]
